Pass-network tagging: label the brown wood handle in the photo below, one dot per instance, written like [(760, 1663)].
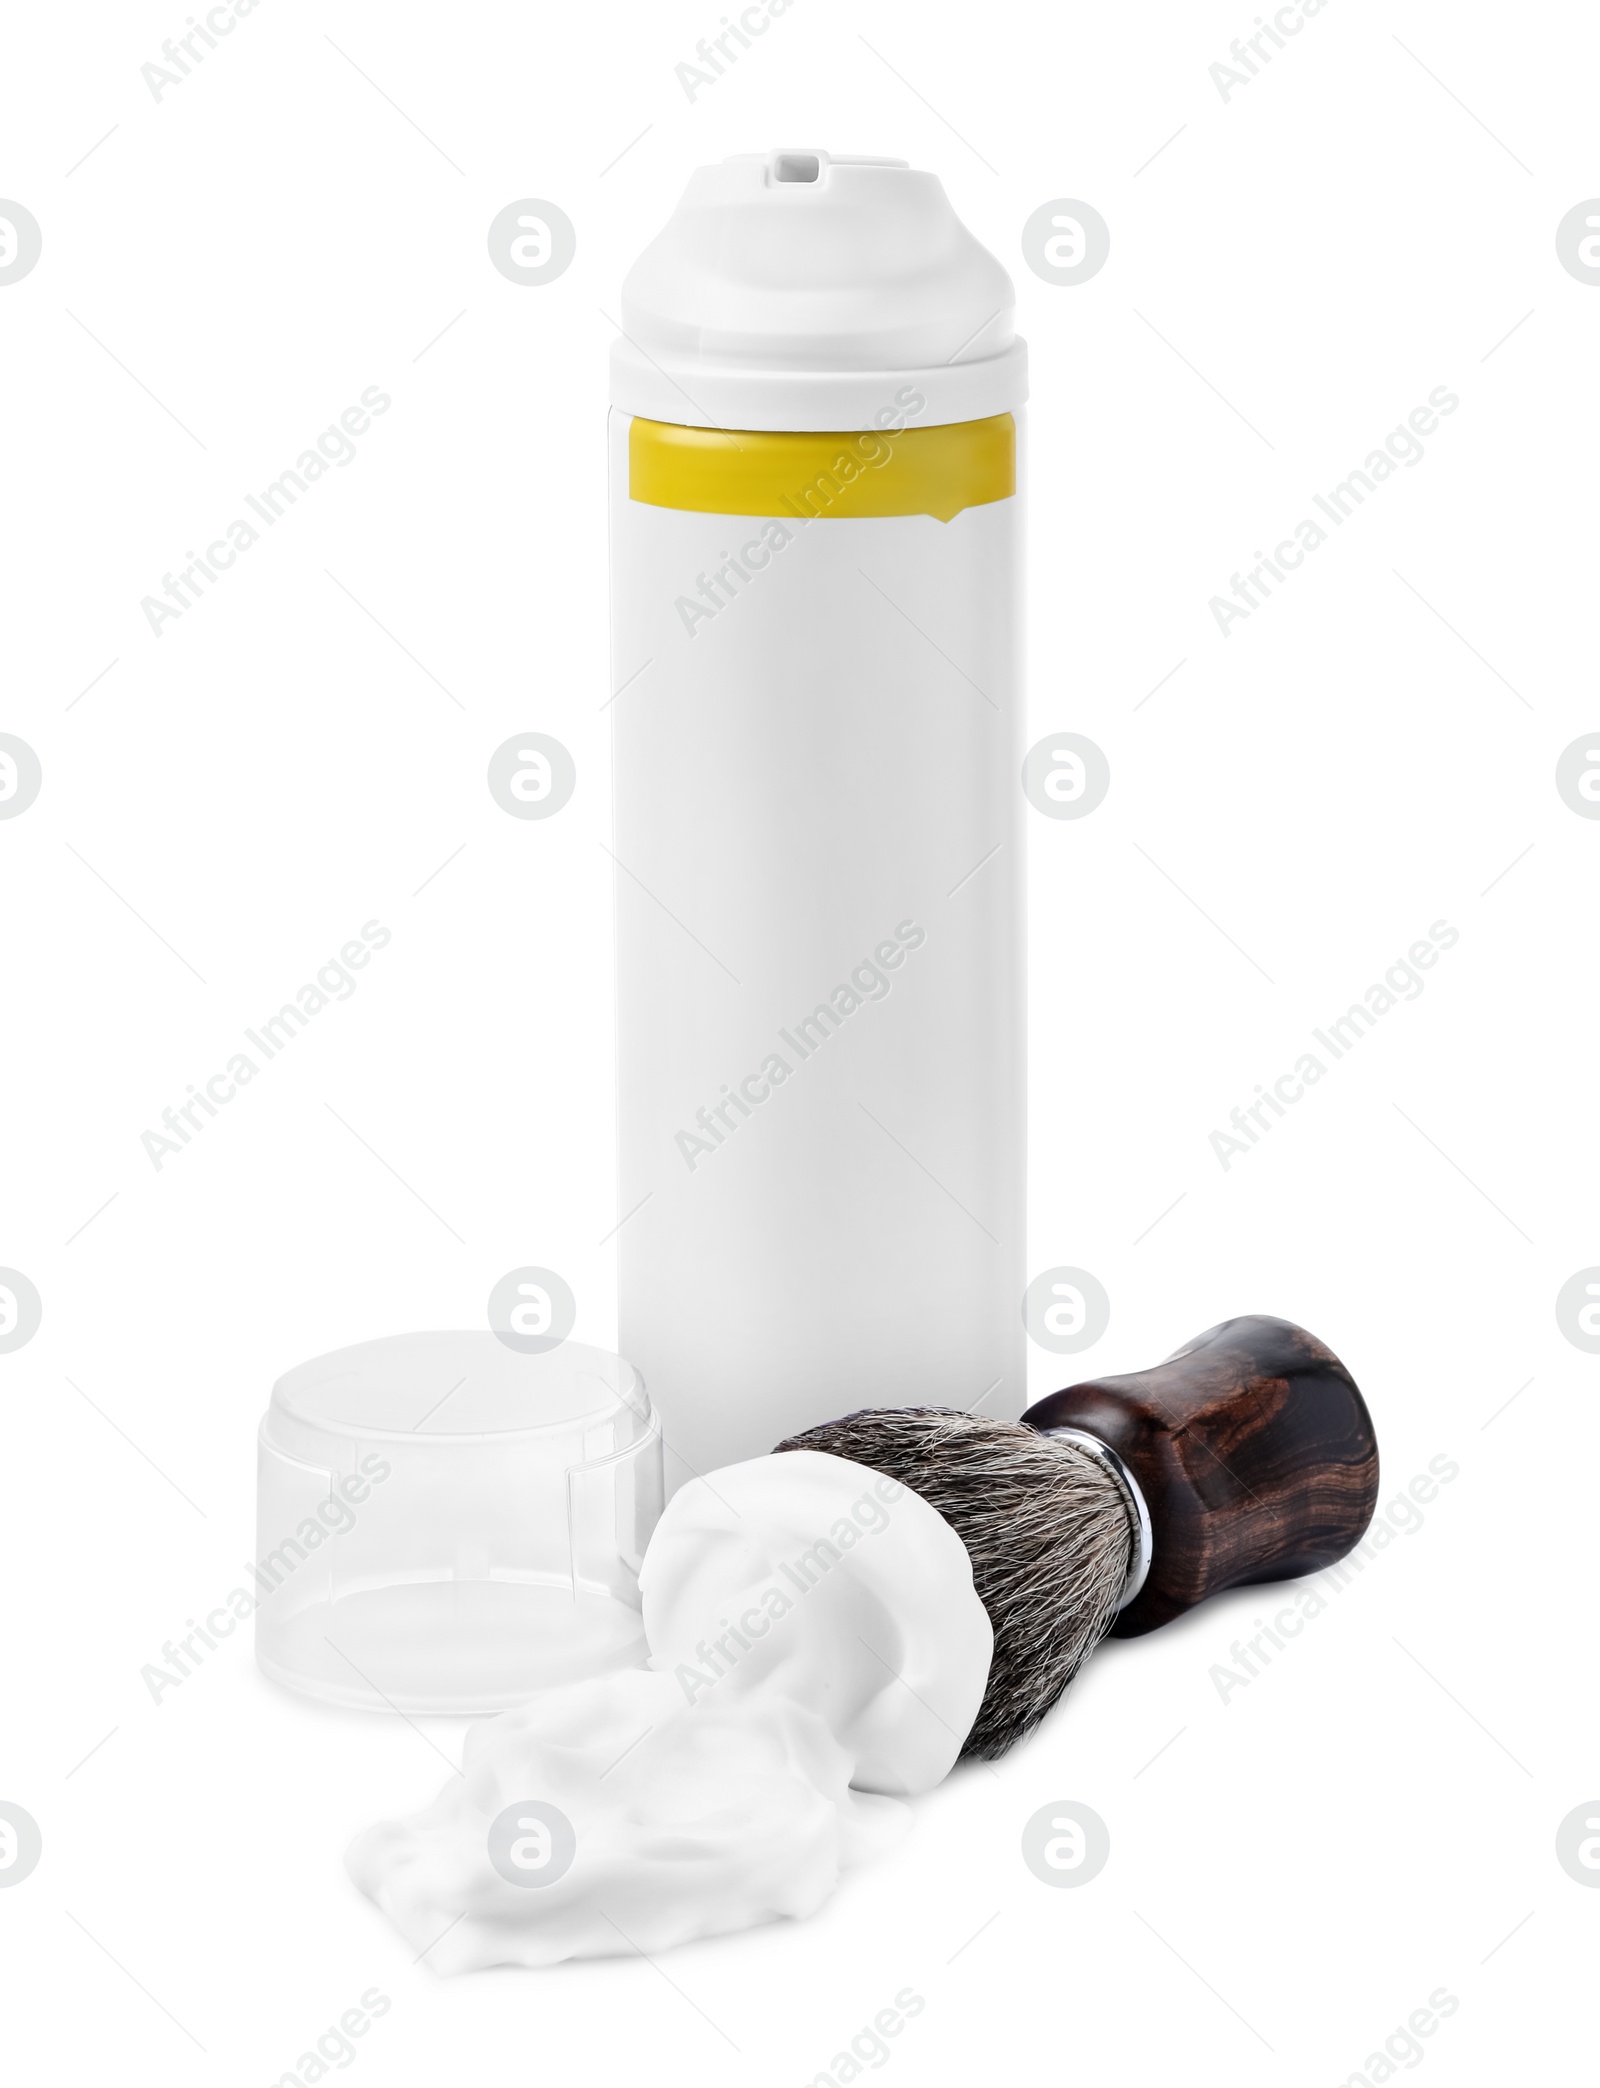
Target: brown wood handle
[(1254, 1451)]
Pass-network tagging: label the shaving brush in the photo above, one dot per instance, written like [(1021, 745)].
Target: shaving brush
[(1120, 1503)]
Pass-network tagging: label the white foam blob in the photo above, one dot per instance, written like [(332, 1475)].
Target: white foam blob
[(816, 1645), (855, 1597)]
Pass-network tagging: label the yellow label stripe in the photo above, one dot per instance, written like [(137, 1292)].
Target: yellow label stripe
[(907, 471)]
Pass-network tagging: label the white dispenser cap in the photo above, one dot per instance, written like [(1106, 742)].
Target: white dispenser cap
[(797, 290)]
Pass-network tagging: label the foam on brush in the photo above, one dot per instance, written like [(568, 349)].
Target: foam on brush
[(1045, 1525)]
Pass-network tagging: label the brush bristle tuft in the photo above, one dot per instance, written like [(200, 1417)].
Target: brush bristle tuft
[(1046, 1528)]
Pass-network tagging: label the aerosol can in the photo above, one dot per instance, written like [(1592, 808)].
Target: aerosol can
[(815, 449)]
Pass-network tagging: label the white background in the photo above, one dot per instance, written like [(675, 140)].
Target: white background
[(1293, 1871)]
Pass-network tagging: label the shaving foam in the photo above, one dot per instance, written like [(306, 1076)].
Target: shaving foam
[(818, 1654)]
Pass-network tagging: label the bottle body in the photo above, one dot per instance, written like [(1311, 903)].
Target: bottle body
[(819, 912)]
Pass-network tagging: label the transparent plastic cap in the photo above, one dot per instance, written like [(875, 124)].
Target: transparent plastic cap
[(447, 1524)]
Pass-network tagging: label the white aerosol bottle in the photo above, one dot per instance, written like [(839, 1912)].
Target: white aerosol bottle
[(816, 537)]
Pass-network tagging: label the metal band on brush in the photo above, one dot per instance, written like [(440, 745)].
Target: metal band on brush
[(1138, 1512)]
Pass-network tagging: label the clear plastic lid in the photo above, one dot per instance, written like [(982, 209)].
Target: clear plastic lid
[(446, 1524)]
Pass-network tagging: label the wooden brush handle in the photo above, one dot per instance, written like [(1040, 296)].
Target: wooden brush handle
[(1254, 1451)]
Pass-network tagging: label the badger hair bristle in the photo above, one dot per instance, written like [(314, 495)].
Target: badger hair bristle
[(1046, 1527)]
